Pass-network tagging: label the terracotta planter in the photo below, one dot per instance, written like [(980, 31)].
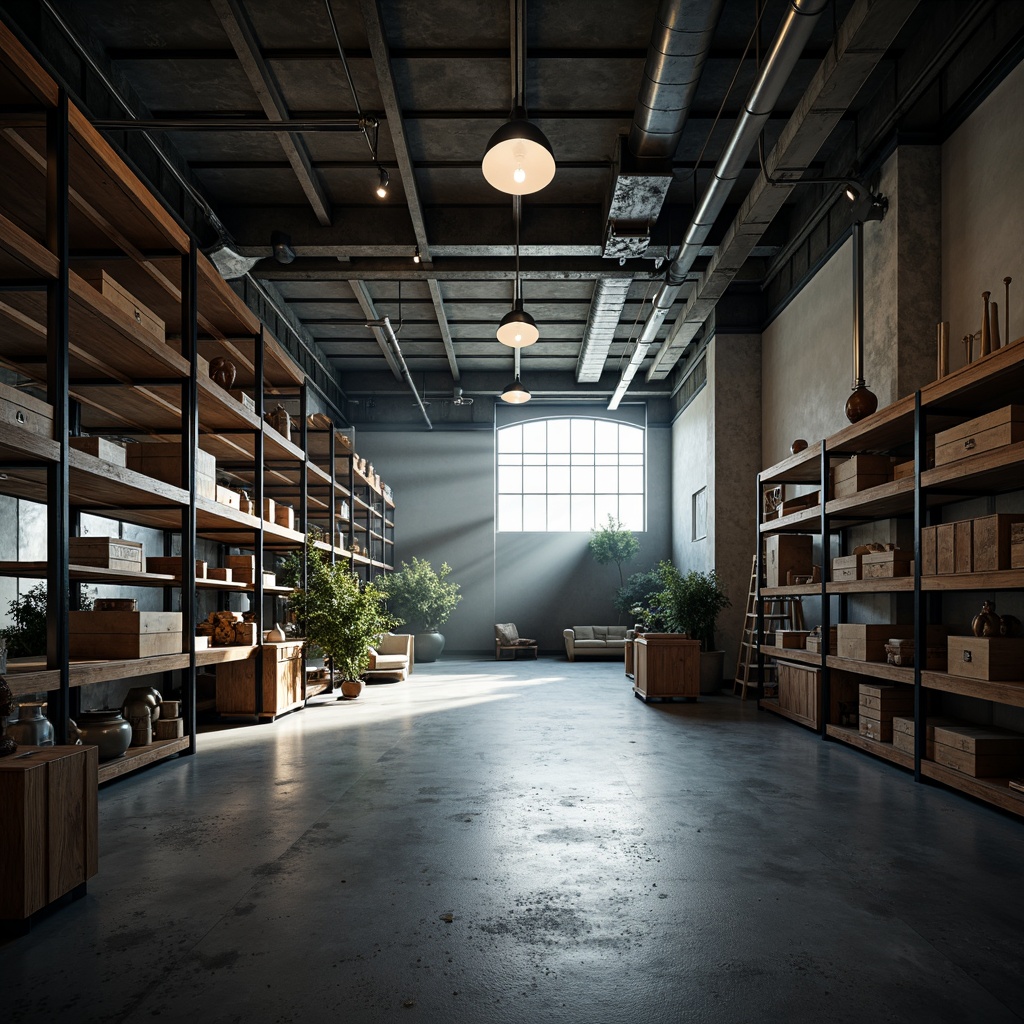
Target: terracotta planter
[(351, 688)]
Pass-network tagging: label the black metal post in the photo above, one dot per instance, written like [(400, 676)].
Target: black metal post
[(758, 604), (257, 583), (189, 444), (826, 608), (920, 605)]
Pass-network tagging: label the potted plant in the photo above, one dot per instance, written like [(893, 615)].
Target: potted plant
[(691, 605), (424, 600), (639, 598), (613, 543), (341, 616)]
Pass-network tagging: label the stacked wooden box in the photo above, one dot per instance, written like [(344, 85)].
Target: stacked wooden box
[(859, 473), (993, 658), (984, 544), (787, 553), (25, 411), (903, 732), (139, 314), (879, 705), (106, 553), (815, 642), (100, 448), (979, 751), (863, 641), (128, 635), (983, 434), (162, 461)]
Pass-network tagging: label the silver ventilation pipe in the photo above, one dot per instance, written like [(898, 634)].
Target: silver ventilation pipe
[(384, 326), (785, 51), (680, 41)]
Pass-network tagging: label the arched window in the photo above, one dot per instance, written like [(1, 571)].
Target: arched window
[(569, 473)]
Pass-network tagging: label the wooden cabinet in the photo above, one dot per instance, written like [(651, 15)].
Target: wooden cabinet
[(283, 680), (666, 665), (48, 833)]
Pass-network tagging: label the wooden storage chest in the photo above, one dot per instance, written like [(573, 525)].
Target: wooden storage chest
[(124, 635), (282, 682), (993, 658), (666, 665), (860, 472), (162, 461), (886, 565), (25, 411), (861, 641), (787, 553), (846, 568), (48, 843), (963, 546), (879, 704), (982, 434), (980, 751), (800, 692), (106, 553), (125, 301)]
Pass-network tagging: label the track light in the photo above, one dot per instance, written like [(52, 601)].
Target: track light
[(865, 204), (281, 244), (515, 393), (382, 187), (416, 257)]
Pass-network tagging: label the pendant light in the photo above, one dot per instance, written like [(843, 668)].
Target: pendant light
[(517, 328), (518, 159), (515, 393)]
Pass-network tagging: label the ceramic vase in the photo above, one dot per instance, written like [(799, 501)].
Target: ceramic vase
[(223, 372), (106, 729), (31, 729)]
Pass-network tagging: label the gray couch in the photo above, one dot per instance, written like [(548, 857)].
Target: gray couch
[(596, 641)]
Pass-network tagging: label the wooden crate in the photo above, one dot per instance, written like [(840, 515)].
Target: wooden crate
[(162, 461), (798, 504), (982, 434), (100, 448), (886, 565), (1017, 546), (23, 410), (846, 568), (945, 549), (993, 658), (124, 635), (992, 541), (980, 751), (791, 639), (861, 641), (963, 546), (171, 566), (125, 301), (929, 550), (904, 654), (902, 470), (903, 733), (787, 553), (106, 553), (666, 665), (284, 515), (282, 682), (48, 842), (858, 473)]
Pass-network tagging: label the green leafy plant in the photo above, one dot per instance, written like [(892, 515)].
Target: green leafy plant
[(26, 635), (639, 591), (613, 543), (419, 596), (341, 615), (691, 603)]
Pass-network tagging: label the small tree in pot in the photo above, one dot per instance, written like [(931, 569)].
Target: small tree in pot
[(425, 600), (613, 543), (341, 616)]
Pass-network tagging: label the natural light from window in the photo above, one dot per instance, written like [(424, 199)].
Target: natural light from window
[(569, 474)]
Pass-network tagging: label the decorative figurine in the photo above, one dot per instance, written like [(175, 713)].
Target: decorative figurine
[(986, 622)]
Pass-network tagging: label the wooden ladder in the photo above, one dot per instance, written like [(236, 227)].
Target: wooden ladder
[(779, 613)]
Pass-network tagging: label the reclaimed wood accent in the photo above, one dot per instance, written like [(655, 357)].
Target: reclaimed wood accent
[(19, 445), (984, 472), (30, 675), (894, 498), (23, 72), (138, 757), (796, 522), (37, 570), (885, 431), (786, 654), (1003, 579)]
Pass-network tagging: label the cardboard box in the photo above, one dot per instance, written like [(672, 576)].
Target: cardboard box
[(162, 461), (24, 411), (980, 751), (100, 448), (886, 565), (785, 553), (1017, 546), (116, 635), (228, 497), (858, 473), (106, 553), (993, 658), (139, 314), (846, 568), (992, 541), (982, 434), (171, 566)]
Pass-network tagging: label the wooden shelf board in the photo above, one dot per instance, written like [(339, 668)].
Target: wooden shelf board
[(221, 655), (30, 675), (895, 585), (1004, 579), (886, 751), (139, 757), (994, 791), (806, 520), (1001, 692), (803, 657), (123, 577), (772, 704), (874, 669), (802, 468), (22, 257), (28, 82), (885, 431), (981, 386), (991, 471), (803, 590), (889, 499), (18, 445)]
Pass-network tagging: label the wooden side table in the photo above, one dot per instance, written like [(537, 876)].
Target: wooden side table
[(666, 665), (48, 827)]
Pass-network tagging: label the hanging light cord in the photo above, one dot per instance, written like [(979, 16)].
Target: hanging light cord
[(517, 212), (352, 85)]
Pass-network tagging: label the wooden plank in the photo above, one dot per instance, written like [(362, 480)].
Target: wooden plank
[(993, 791), (885, 431), (139, 757), (874, 669), (787, 654), (997, 470), (21, 256), (1011, 693), (802, 468), (896, 497), (20, 445), (886, 751), (880, 585), (795, 522)]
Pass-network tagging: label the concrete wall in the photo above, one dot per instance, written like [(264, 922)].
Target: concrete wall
[(444, 492)]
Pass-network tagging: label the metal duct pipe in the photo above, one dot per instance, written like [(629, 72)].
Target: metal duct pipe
[(610, 294), (679, 45), (385, 328), (785, 51)]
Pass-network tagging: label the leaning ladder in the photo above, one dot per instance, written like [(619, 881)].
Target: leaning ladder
[(779, 613)]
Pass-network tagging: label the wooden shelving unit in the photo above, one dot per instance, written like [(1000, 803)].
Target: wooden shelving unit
[(904, 431), (119, 376)]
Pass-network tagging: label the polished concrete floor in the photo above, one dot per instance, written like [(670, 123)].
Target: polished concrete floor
[(529, 843)]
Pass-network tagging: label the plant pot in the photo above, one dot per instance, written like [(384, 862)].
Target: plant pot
[(428, 647), (351, 688), (106, 729), (712, 670)]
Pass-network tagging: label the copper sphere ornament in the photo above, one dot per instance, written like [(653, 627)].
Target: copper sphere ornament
[(798, 445), (861, 403)]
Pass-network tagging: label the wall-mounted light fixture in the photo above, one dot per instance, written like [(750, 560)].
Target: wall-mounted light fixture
[(865, 204)]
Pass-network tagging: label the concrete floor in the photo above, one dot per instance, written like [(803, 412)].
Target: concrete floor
[(528, 843)]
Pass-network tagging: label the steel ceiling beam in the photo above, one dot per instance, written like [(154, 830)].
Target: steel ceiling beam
[(240, 31)]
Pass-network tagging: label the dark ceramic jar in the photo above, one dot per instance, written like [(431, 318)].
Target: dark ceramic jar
[(106, 729)]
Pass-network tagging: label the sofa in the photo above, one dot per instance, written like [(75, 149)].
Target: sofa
[(390, 658), (596, 641)]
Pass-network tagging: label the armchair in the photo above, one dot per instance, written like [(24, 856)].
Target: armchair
[(507, 638), (390, 658)]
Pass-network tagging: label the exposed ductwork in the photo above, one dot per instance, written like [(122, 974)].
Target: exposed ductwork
[(785, 51), (605, 311), (386, 335)]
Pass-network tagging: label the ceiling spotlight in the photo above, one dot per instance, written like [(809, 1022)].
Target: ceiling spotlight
[(382, 187), (865, 204), (518, 159), (517, 328), (282, 247), (515, 393), (416, 257)]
